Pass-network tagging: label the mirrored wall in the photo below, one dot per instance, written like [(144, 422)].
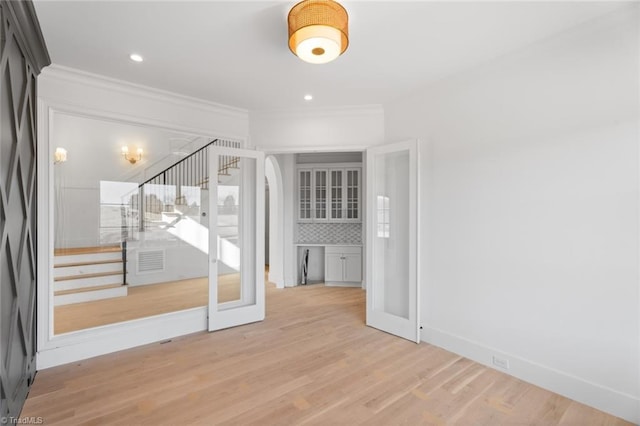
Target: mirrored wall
[(130, 221)]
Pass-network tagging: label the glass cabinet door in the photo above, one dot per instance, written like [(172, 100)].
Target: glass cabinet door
[(331, 194), (320, 202), (304, 194), (337, 204), (352, 186)]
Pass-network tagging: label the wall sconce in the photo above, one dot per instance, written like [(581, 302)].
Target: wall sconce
[(132, 159), (60, 156)]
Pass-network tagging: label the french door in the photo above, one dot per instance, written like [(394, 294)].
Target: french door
[(236, 237), (392, 239)]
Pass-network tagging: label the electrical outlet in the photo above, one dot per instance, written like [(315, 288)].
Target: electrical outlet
[(501, 362)]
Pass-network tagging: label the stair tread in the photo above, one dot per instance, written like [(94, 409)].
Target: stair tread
[(81, 276), (85, 250), (94, 262), (86, 289)]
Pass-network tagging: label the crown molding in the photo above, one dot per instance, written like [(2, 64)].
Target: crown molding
[(28, 33), (60, 72), (63, 73)]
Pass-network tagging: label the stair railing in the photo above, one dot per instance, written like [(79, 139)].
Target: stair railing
[(123, 245), (192, 170)]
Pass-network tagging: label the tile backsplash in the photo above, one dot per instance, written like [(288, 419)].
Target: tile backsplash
[(330, 233)]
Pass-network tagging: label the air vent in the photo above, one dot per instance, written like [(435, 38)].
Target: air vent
[(150, 261)]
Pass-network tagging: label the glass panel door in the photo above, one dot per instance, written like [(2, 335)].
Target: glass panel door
[(392, 290), (236, 240)]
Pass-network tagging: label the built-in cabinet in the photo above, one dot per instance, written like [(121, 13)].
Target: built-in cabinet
[(343, 265), (329, 205), (329, 194)]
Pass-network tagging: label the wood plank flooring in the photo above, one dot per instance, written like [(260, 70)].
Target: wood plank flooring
[(143, 301), (86, 250), (312, 361)]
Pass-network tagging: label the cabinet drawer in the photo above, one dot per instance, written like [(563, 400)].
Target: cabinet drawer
[(343, 249)]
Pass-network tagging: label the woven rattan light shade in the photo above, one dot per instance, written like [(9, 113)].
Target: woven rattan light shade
[(318, 30)]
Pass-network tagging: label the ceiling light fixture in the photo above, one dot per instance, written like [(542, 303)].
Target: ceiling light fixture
[(318, 30), (131, 159), (135, 57), (308, 97)]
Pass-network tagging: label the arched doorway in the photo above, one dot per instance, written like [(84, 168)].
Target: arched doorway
[(275, 224)]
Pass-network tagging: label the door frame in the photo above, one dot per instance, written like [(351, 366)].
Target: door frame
[(289, 250), (273, 174)]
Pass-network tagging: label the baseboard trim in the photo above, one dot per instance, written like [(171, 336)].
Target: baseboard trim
[(276, 279), (343, 284), (602, 398), (112, 338)]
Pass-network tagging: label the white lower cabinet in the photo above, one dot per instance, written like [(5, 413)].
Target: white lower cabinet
[(333, 267), (352, 267), (343, 265)]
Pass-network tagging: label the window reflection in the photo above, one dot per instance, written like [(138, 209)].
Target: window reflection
[(383, 220)]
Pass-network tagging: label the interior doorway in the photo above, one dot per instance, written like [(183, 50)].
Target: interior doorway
[(274, 227), (266, 224)]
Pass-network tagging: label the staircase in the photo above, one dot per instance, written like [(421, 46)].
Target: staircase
[(88, 273), (161, 201)]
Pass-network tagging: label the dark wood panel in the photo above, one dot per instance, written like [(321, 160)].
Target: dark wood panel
[(20, 63)]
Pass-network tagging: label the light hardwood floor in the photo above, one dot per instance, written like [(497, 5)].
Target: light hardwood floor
[(312, 361), (143, 301)]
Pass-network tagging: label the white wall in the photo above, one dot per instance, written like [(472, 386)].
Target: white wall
[(530, 211), (335, 129), (182, 261), (275, 219)]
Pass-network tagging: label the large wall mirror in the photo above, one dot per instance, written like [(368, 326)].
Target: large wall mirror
[(130, 224)]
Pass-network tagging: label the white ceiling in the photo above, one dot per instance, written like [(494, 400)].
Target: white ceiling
[(236, 52)]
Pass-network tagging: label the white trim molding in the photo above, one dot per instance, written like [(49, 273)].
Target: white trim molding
[(107, 339), (79, 91), (76, 76)]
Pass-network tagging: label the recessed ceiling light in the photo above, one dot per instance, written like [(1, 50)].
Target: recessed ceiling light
[(135, 57), (308, 97)]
